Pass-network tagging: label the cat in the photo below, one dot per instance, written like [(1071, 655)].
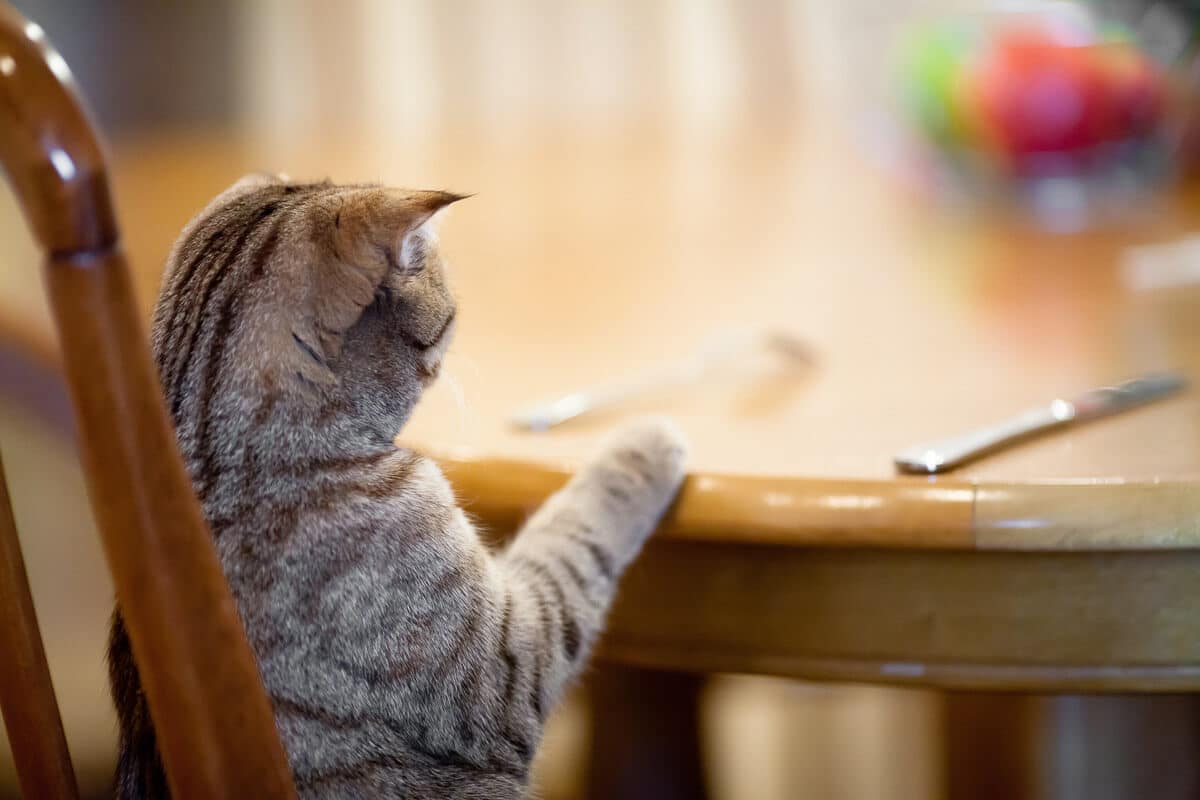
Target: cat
[(296, 328)]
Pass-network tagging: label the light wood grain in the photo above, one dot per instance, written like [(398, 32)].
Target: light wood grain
[(1082, 586), (747, 510), (595, 259), (920, 329), (1072, 622), (1087, 516), (905, 513), (795, 549)]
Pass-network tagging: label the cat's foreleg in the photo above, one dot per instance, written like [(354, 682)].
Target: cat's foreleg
[(565, 563)]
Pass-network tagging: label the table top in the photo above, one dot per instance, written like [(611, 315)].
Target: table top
[(580, 261), (587, 258), (586, 261)]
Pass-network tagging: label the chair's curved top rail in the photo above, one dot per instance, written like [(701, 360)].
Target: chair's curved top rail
[(911, 513), (47, 144)]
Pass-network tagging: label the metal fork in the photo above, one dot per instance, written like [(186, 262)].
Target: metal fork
[(720, 350)]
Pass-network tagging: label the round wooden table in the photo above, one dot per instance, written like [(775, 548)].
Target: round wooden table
[(1065, 565)]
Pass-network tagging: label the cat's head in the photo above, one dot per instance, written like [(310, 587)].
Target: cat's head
[(311, 295)]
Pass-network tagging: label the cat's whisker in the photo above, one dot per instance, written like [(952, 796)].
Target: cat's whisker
[(467, 364), (455, 387)]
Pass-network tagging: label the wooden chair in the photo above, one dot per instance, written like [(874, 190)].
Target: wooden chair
[(215, 726)]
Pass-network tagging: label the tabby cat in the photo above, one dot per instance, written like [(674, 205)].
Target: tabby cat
[(296, 329)]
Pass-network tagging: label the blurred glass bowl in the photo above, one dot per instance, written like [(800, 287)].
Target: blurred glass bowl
[(1051, 107)]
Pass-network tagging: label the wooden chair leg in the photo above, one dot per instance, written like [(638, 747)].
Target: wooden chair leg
[(645, 735), (1090, 747), (35, 730)]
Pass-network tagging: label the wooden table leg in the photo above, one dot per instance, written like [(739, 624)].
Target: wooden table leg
[(1072, 747), (645, 735), (991, 746)]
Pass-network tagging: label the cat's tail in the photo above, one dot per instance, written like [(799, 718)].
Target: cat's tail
[(140, 774)]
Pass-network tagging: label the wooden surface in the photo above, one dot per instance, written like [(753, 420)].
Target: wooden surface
[(942, 514), (214, 727), (1112, 747), (27, 700), (1056, 587), (592, 257), (187, 637), (922, 326), (1036, 621), (646, 735), (52, 158), (571, 271)]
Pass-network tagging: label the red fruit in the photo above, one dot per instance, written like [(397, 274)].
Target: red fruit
[(1041, 96)]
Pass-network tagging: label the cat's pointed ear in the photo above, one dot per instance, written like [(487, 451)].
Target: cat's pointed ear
[(372, 235), (375, 223)]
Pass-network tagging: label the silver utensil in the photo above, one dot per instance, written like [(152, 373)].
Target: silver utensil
[(720, 350), (946, 454)]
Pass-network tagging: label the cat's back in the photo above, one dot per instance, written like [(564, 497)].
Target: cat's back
[(354, 610), (352, 544)]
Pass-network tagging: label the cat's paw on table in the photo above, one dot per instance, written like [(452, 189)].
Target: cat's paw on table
[(654, 448)]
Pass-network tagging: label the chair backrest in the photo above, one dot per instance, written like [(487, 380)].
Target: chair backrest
[(215, 727), (35, 731)]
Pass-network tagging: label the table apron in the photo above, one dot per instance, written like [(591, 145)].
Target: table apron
[(1030, 621)]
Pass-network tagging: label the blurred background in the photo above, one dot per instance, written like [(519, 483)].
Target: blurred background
[(932, 108)]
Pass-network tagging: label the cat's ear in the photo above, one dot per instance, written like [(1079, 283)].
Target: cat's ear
[(374, 233), (379, 227), (242, 186)]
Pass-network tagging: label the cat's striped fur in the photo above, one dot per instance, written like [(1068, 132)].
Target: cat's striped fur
[(296, 328)]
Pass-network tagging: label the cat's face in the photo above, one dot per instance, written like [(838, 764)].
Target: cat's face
[(332, 297)]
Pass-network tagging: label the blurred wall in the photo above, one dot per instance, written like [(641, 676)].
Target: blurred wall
[(146, 63)]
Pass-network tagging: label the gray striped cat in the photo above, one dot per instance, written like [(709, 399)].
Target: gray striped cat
[(296, 329)]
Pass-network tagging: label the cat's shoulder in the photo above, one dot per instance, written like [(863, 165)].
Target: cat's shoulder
[(427, 476), (408, 476)]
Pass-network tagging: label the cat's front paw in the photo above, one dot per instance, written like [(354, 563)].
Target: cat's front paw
[(654, 449)]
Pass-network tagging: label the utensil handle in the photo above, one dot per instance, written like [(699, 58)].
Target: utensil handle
[(945, 454), (575, 404)]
